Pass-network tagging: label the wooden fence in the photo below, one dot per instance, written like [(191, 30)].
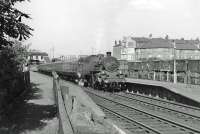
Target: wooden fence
[(65, 126)]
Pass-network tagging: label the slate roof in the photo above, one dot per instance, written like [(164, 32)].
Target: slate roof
[(191, 42), (140, 39), (38, 54), (156, 43), (186, 46), (163, 43)]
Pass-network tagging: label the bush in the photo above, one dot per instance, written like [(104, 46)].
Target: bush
[(12, 53), (11, 82)]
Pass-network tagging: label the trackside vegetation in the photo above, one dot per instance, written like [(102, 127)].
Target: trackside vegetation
[(12, 52)]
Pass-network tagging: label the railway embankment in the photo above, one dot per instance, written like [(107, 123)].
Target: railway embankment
[(78, 114)]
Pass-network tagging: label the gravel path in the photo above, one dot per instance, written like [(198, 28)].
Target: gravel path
[(34, 112)]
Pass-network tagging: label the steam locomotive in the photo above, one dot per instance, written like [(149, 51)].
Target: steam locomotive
[(96, 71)]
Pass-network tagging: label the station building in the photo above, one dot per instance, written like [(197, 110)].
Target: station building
[(142, 48), (35, 56)]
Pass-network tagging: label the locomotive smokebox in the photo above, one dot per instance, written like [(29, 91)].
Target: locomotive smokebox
[(108, 54)]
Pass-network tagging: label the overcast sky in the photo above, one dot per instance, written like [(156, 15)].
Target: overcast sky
[(80, 26)]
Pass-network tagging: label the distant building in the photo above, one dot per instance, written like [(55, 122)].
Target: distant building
[(161, 49), (117, 50), (140, 48), (68, 58), (35, 56), (126, 49), (82, 56)]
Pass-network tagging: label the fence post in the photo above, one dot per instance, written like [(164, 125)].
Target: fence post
[(26, 79)]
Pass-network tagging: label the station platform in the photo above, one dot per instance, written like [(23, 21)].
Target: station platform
[(82, 97), (186, 90)]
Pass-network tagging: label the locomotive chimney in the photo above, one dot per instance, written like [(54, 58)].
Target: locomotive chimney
[(108, 54)]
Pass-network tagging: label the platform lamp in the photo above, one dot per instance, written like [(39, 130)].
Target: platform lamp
[(174, 48)]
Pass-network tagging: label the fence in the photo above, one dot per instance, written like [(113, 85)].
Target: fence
[(188, 71), (65, 126)]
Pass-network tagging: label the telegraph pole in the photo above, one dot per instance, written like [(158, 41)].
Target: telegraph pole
[(175, 73), (53, 51)]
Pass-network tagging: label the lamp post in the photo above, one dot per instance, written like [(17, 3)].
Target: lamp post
[(175, 74)]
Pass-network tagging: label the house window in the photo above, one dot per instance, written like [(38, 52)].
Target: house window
[(36, 57), (185, 56), (41, 57)]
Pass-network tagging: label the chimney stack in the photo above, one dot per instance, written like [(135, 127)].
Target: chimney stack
[(115, 43), (108, 54), (120, 42)]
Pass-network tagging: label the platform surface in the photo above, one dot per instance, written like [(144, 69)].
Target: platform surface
[(190, 91), (82, 97)]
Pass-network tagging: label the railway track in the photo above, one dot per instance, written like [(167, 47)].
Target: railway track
[(163, 102), (140, 119), (126, 123), (187, 117), (160, 105)]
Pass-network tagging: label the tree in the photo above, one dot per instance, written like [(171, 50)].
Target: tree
[(12, 30), (11, 24), (12, 52)]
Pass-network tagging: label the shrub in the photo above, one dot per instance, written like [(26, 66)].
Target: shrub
[(12, 53)]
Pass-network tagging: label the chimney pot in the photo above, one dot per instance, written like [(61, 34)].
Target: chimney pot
[(108, 54)]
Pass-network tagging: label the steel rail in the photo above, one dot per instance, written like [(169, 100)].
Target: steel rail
[(153, 104), (127, 118), (165, 101), (155, 116)]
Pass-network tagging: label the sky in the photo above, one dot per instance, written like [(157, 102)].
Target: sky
[(91, 26)]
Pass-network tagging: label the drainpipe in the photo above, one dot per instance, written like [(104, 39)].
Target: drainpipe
[(175, 74)]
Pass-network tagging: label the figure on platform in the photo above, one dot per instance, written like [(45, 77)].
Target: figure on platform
[(26, 73)]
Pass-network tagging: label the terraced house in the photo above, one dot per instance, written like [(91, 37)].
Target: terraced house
[(141, 48)]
